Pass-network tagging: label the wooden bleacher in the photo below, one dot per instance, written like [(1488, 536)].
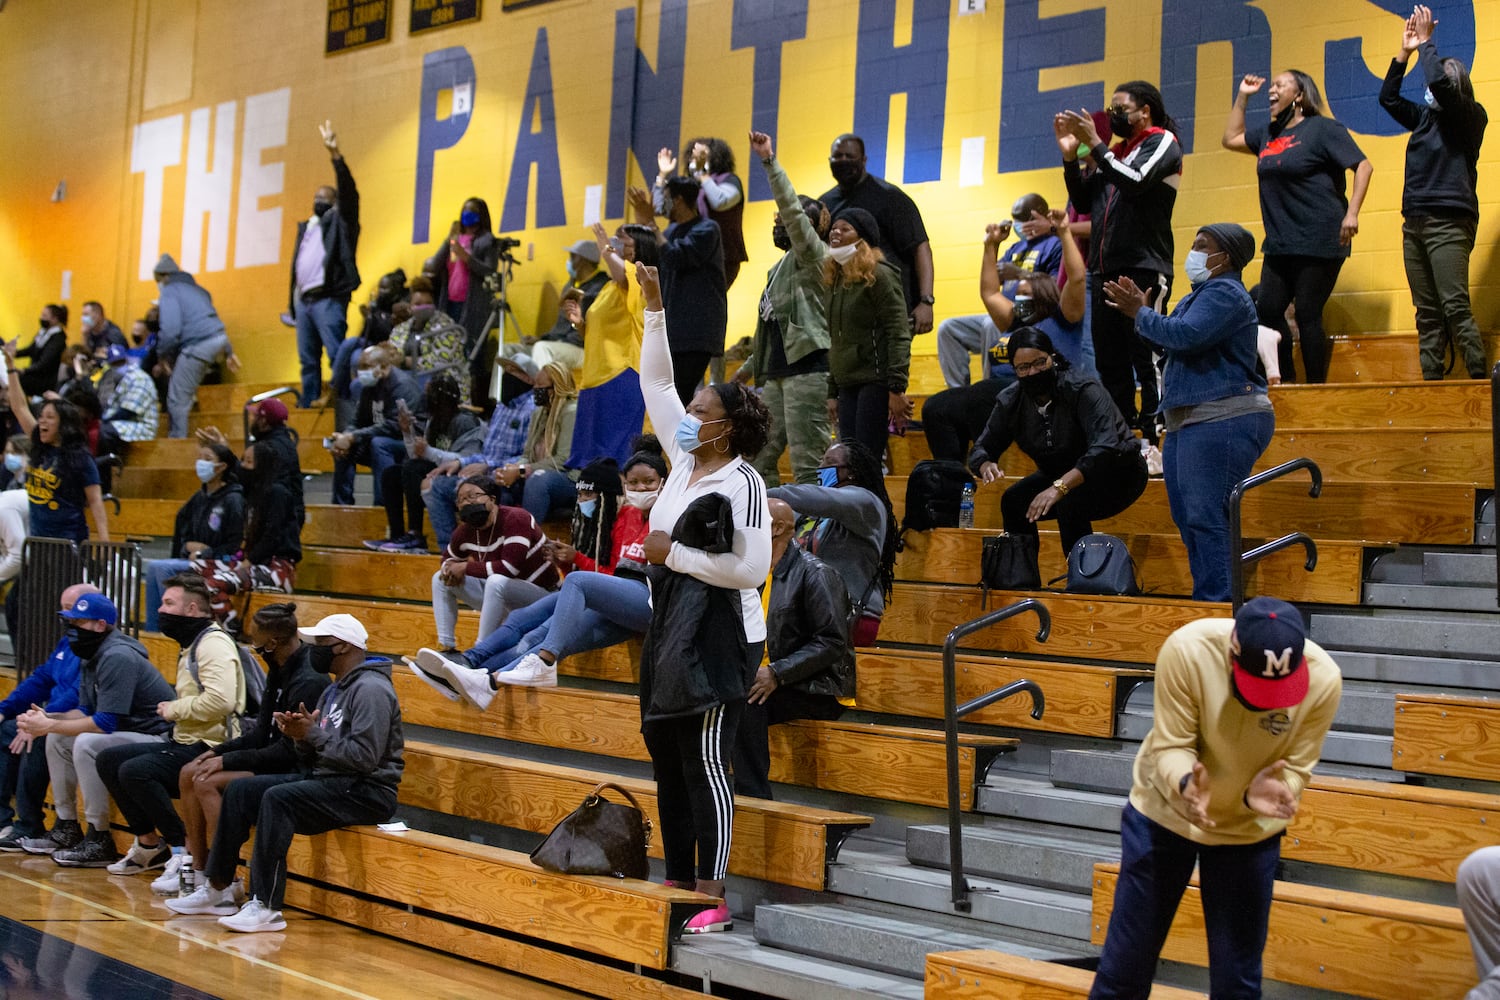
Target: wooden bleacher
[(988, 975), (1449, 735), (776, 842), (1347, 942)]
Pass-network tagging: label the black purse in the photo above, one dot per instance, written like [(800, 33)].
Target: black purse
[(1009, 562), (598, 838), (1101, 564)]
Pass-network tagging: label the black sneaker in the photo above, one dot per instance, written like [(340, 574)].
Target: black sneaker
[(97, 850), (64, 834), (11, 842)]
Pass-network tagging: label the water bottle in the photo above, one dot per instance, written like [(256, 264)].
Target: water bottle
[(966, 507), (187, 881)]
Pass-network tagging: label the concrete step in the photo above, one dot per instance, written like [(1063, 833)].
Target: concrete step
[(1438, 597), (1340, 746), (737, 960), (1417, 671), (1030, 914), (1471, 567), (1045, 855), (1436, 633), (1041, 801), (1363, 708), (891, 944)]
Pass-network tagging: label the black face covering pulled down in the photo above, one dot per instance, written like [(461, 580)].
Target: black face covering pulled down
[(83, 642), (780, 238), (182, 629), (1039, 385)]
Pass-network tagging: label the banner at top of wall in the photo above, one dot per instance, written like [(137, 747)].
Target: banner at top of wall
[(427, 14), (353, 24)]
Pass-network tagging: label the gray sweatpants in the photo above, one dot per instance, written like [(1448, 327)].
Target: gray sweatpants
[(495, 597), (188, 372), (1479, 899), (73, 763)]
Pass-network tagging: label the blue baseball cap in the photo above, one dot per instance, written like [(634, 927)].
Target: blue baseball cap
[(92, 607), (115, 354)]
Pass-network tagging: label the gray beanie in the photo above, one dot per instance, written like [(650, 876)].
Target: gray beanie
[(1233, 239), (165, 265)]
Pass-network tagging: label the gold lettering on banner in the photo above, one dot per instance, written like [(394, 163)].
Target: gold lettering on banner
[(338, 21), (444, 16), (369, 13)]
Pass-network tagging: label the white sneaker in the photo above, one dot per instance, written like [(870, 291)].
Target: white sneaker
[(472, 684), (434, 681), (254, 917), (208, 901), (532, 671), (170, 879), (141, 859)]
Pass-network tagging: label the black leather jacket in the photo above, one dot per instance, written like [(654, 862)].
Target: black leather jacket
[(807, 624)]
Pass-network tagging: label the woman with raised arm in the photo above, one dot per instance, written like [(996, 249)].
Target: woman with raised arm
[(1302, 157)]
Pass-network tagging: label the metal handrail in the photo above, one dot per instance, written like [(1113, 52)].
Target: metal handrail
[(1238, 558), (1495, 444), (952, 712), (261, 397)]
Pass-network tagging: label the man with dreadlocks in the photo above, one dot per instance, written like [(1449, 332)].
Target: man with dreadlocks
[(850, 525)]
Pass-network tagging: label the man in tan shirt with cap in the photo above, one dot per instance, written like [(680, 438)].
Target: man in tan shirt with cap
[(1241, 709)]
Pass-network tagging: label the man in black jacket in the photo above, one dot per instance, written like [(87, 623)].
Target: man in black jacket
[(375, 440), (324, 274), (808, 670), (350, 758), (45, 351)]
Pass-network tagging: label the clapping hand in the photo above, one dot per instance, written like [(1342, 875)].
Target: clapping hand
[(1196, 795), (1269, 794), (1125, 296), (666, 161), (296, 724)]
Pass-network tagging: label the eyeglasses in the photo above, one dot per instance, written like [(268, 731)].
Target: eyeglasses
[(1120, 109), (1032, 367)]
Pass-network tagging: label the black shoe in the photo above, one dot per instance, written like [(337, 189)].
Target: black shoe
[(65, 834), (97, 850), (11, 842)]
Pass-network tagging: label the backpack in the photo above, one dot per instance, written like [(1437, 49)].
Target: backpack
[(251, 676), (933, 492), (1101, 564)]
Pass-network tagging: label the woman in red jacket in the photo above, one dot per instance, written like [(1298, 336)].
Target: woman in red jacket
[(603, 601)]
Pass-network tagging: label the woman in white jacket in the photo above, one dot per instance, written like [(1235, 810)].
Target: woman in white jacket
[(709, 444)]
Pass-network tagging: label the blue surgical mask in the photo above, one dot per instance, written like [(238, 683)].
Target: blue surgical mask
[(828, 475), (686, 434), (587, 507), (14, 462), (1196, 267), (1427, 96), (366, 377), (572, 269), (467, 218), (205, 470)]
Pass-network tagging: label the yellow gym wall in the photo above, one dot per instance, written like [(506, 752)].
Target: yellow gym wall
[(93, 90)]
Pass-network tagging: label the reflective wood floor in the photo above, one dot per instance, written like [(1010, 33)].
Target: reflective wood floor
[(313, 958)]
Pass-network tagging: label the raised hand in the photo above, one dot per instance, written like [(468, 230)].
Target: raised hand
[(996, 233), (1269, 793), (666, 161), (1066, 140), (330, 138), (1058, 219), (1422, 23), (650, 283), (1251, 84), (760, 145), (1081, 124)]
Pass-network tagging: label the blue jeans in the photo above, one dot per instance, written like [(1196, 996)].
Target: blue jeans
[(591, 611), (442, 508), (321, 326), (542, 493), (383, 453), (1235, 883), (1202, 463), (158, 572), (26, 779), (345, 360)]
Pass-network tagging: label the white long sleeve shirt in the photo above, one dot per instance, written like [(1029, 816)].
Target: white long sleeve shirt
[(745, 567)]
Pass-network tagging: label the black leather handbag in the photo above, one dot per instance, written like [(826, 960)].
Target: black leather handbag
[(1009, 562), (1101, 564), (599, 838)]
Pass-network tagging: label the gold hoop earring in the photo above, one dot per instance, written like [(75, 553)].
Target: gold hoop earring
[(724, 450)]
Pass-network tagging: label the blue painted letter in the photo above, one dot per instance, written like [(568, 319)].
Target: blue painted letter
[(1033, 44), (765, 26), (646, 111), (446, 69), (1353, 91), (919, 70), (1194, 23), (539, 147)]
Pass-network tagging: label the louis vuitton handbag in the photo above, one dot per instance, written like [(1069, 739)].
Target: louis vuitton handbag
[(600, 837)]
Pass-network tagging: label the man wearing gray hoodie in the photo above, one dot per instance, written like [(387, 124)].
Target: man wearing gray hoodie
[(191, 341), (350, 762)]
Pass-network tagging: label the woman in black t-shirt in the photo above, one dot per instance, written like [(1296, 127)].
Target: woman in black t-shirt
[(1310, 222), (62, 481)]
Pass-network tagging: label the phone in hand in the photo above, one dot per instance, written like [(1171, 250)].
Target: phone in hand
[(328, 443)]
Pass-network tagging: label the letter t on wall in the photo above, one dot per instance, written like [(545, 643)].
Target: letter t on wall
[(156, 146)]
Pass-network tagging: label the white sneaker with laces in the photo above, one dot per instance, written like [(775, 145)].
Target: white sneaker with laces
[(254, 917), (141, 858), (532, 671), (472, 684), (437, 682), (170, 880), (208, 901)]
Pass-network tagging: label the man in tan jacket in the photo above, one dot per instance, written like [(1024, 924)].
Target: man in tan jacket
[(1241, 709)]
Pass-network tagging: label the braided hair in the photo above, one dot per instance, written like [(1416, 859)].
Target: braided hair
[(594, 536), (864, 467)]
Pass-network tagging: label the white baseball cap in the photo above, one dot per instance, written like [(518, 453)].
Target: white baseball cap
[(345, 628)]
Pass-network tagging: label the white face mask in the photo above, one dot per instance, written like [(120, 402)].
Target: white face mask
[(641, 499), (844, 254), (1197, 267)]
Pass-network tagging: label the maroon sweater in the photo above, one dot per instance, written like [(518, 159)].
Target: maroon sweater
[(512, 546)]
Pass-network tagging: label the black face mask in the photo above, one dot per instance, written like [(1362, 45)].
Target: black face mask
[(474, 514), (83, 642), (845, 172), (321, 658), (541, 396), (1282, 120), (268, 653), (781, 238), (42, 322), (1039, 385), (320, 208), (511, 387), (1026, 313), (153, 326), (181, 629), (1119, 124)]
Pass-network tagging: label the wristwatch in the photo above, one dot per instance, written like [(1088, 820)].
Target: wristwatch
[(1061, 487), (926, 300)]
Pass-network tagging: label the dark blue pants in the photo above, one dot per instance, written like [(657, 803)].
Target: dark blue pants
[(26, 778), (1235, 883)]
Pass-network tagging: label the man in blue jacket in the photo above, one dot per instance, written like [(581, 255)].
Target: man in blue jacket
[(324, 274), (54, 682)]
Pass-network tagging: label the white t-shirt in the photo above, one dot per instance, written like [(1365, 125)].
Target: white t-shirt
[(746, 566)]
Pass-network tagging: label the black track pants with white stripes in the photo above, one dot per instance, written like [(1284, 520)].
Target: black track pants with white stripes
[(695, 790)]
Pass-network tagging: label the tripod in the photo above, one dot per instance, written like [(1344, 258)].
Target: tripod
[(484, 373)]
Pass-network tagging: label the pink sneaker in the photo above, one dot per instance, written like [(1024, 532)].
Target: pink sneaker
[(709, 921)]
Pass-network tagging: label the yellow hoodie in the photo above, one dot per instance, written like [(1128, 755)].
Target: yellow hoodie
[(203, 706)]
